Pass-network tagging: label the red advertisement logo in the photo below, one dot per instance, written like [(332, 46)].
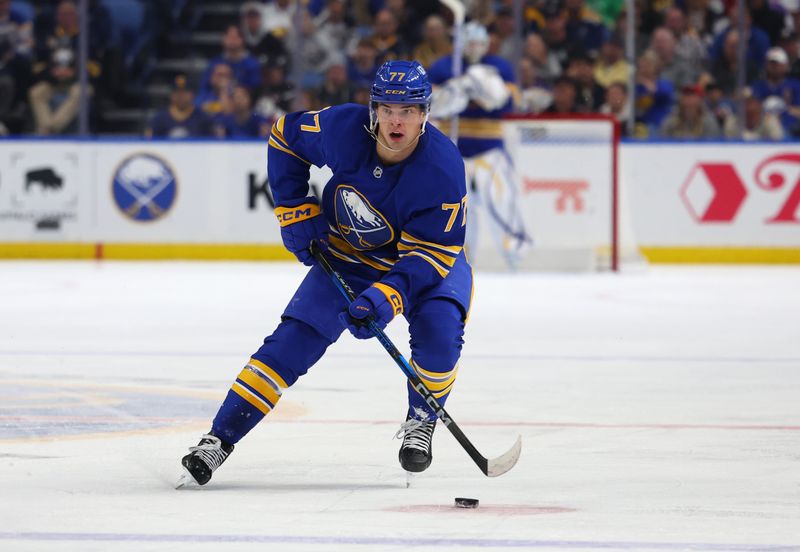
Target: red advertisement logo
[(773, 174), (714, 192), (568, 191)]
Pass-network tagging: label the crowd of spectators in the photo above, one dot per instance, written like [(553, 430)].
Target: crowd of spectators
[(570, 59)]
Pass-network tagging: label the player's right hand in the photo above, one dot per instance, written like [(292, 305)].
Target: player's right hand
[(379, 302), (301, 223)]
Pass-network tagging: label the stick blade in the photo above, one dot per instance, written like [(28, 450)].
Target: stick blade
[(502, 464)]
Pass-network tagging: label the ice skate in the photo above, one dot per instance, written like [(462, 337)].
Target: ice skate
[(416, 452), (202, 460)]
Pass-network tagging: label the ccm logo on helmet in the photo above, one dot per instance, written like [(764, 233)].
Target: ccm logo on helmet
[(395, 92)]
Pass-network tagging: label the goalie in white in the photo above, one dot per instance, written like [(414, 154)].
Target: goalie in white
[(480, 96)]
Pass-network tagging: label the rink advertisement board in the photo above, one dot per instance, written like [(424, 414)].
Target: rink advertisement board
[(46, 191), (150, 199), (714, 195), (139, 199), (192, 193)]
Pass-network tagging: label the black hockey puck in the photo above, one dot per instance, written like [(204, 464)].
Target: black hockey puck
[(466, 502)]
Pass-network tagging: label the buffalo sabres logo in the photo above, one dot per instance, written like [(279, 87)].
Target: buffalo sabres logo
[(144, 187), (363, 226)]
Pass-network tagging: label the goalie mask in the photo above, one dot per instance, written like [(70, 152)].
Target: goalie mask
[(400, 82), (476, 42)]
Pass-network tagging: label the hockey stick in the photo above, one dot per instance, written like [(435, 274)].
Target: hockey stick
[(459, 13), (490, 467)]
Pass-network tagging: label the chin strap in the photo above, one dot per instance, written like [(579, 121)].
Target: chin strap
[(373, 131)]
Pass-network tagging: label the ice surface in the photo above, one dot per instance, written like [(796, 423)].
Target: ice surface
[(658, 410)]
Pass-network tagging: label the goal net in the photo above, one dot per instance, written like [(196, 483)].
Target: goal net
[(570, 196)]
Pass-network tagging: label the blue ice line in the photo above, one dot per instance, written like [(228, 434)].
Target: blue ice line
[(367, 541), (477, 356)]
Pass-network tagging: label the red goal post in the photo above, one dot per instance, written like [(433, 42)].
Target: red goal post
[(570, 195)]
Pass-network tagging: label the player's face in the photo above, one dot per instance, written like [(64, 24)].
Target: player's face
[(399, 124)]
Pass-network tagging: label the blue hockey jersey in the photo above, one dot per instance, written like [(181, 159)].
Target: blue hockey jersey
[(478, 130), (400, 224)]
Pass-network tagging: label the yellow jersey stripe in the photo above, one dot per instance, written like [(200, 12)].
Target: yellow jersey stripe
[(277, 129), (449, 261), (251, 398), (474, 128), (274, 143), (367, 261), (452, 249), (514, 90), (259, 384), (278, 137), (269, 372), (344, 247), (362, 259), (442, 271), (338, 255), (471, 294)]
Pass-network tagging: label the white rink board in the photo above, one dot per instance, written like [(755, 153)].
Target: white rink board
[(670, 194), (70, 198), (666, 193), (218, 189)]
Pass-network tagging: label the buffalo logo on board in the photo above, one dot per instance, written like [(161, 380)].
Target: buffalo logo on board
[(144, 187), (46, 178), (363, 226), (39, 194)]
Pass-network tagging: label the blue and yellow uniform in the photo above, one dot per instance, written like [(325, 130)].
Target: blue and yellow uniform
[(479, 130), (397, 227)]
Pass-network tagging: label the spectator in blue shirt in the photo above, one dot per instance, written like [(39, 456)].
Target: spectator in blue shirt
[(246, 69), (654, 95), (585, 29), (362, 66), (242, 121), (15, 28), (757, 43), (181, 119), (216, 99)]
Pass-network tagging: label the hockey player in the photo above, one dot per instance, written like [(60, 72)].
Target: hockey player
[(393, 219), (480, 96)]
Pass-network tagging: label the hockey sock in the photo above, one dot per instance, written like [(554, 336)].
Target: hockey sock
[(253, 395), (440, 384)]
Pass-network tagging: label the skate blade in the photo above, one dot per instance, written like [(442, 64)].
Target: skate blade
[(186, 480), (410, 479)]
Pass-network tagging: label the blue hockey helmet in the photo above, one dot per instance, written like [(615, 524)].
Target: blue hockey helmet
[(400, 82)]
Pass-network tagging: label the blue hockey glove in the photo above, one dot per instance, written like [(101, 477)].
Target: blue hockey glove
[(378, 301), (301, 222)]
